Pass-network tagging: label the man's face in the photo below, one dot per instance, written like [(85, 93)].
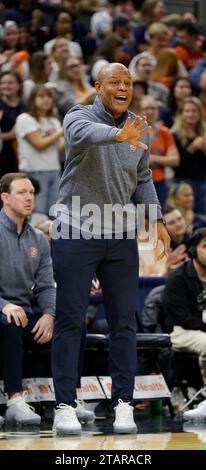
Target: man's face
[(115, 90), (186, 198), (64, 24), (160, 41), (175, 224), (201, 252), (149, 109), (144, 68), (186, 40), (20, 200)]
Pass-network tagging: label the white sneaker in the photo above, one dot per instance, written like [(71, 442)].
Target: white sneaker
[(19, 412), (1, 421), (124, 419), (65, 420), (195, 427), (82, 413), (198, 413)]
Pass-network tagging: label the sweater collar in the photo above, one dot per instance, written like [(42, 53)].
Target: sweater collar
[(10, 224), (100, 111)]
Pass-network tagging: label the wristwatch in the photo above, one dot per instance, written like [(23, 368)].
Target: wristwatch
[(162, 220)]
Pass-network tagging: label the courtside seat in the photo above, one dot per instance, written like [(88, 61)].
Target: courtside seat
[(97, 341), (144, 340), (37, 362), (153, 340)]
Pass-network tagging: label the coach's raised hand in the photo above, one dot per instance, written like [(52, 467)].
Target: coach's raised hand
[(133, 131)]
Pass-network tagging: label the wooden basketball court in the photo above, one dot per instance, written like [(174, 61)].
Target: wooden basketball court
[(156, 433)]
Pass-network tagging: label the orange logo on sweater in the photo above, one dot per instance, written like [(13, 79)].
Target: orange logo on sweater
[(33, 252)]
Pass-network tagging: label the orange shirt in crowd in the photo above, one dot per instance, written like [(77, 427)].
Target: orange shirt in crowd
[(160, 144), (188, 58)]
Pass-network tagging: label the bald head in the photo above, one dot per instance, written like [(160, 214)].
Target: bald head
[(114, 88), (110, 69)]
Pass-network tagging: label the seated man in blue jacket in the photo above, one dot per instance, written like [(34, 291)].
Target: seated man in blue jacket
[(26, 277)]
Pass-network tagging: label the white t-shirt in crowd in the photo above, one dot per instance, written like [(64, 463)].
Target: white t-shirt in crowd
[(31, 159)]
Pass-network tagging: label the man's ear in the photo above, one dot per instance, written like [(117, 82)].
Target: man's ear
[(98, 87), (4, 197)]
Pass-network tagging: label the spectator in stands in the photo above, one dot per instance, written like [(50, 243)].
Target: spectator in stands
[(12, 56), (202, 95), (188, 49), (184, 302), (39, 137), (111, 50), (143, 70), (177, 229), (93, 171), (63, 29), (163, 148), (40, 70), (198, 69), (151, 11), (125, 29), (171, 21), (181, 197), (81, 32), (101, 22), (25, 39), (179, 90), (11, 106), (10, 37), (189, 131), (59, 54), (126, 7), (140, 89), (166, 68), (21, 13), (39, 29), (73, 86), (158, 38), (189, 16), (27, 291)]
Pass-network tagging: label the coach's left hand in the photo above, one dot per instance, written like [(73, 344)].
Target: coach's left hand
[(162, 236)]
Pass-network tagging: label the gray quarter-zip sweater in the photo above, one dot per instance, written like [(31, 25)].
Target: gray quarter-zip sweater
[(99, 169), (26, 268)]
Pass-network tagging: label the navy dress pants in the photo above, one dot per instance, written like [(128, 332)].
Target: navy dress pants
[(116, 264)]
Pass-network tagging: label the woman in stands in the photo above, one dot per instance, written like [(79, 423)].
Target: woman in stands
[(166, 67), (163, 151), (73, 86), (181, 197), (39, 136), (179, 90), (40, 70), (189, 131), (11, 106)]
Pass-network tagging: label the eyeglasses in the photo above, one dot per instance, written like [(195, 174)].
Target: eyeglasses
[(149, 108), (72, 66)]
